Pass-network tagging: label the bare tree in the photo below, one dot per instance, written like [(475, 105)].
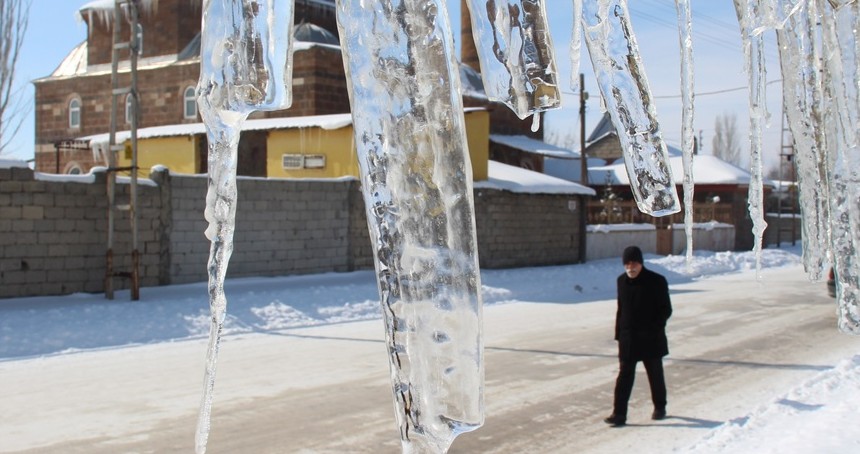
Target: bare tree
[(14, 15), (726, 143)]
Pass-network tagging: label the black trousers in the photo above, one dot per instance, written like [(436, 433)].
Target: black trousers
[(624, 384)]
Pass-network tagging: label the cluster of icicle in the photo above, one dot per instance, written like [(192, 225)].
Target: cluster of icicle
[(820, 62), (404, 88)]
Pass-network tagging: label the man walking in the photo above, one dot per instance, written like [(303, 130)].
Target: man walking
[(640, 329)]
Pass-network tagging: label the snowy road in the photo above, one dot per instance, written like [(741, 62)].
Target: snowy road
[(550, 368)]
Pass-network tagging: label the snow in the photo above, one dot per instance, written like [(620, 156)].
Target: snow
[(531, 145), (706, 170), (517, 179), (13, 164), (335, 121), (812, 416)]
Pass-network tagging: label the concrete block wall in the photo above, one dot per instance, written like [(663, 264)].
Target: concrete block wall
[(53, 230), (53, 234), (516, 229), (711, 236), (282, 227)]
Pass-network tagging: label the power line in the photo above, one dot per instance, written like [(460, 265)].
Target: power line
[(704, 93)]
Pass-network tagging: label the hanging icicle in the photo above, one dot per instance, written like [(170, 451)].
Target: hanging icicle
[(802, 103), (516, 53), (621, 78), (749, 12), (416, 178), (246, 65), (685, 35), (842, 113)]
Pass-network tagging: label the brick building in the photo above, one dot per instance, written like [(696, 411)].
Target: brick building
[(75, 101)]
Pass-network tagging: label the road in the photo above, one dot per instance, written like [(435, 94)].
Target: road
[(735, 343)]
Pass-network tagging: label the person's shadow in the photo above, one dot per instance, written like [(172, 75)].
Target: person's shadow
[(682, 421)]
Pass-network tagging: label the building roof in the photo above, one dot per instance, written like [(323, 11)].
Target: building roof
[(335, 121), (707, 169), (604, 128), (533, 145), (516, 179)]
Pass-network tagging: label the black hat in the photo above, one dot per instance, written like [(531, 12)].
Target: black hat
[(632, 254)]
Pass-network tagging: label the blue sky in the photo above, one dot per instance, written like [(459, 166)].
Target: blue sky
[(53, 32)]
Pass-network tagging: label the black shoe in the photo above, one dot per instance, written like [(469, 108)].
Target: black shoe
[(615, 421), (659, 413)]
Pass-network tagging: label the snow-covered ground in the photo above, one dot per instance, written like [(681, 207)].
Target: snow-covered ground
[(815, 416)]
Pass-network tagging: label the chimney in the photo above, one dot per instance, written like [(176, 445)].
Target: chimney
[(468, 51)]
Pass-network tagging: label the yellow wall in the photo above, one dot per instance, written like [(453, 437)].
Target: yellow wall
[(478, 138), (175, 153), (335, 144), (339, 150), (178, 153)]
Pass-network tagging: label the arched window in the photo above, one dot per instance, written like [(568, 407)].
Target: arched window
[(129, 108), (189, 101), (75, 113)]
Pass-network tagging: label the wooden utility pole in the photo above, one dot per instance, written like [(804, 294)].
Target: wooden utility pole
[(583, 170)]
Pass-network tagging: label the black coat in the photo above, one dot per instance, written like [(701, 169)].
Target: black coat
[(643, 309)]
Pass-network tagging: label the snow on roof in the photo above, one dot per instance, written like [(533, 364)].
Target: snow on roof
[(6, 163), (335, 121), (517, 179), (707, 169), (75, 63), (532, 145)]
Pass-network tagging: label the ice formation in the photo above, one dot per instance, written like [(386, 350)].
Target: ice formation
[(685, 36), (245, 65), (410, 138), (750, 18), (819, 59), (516, 54), (621, 78), (416, 175)]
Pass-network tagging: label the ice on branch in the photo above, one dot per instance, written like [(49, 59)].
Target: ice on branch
[(517, 58), (245, 65), (624, 87), (416, 179)]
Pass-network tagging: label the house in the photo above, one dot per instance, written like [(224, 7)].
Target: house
[(74, 102), (721, 188)]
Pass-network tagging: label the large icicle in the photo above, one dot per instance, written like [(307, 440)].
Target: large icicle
[(802, 101), (416, 178), (749, 12), (839, 28), (621, 78), (246, 65), (516, 53), (685, 35)]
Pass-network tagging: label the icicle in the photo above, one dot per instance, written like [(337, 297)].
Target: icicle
[(802, 98), (838, 30), (749, 11), (536, 122), (575, 45), (246, 65), (687, 133), (621, 78), (516, 53), (416, 178)]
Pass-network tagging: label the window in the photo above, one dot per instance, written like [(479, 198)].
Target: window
[(314, 161), (293, 161), (189, 100), (129, 108), (75, 113)]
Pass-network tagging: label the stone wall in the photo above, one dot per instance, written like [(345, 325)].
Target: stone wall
[(53, 230), (517, 230)]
